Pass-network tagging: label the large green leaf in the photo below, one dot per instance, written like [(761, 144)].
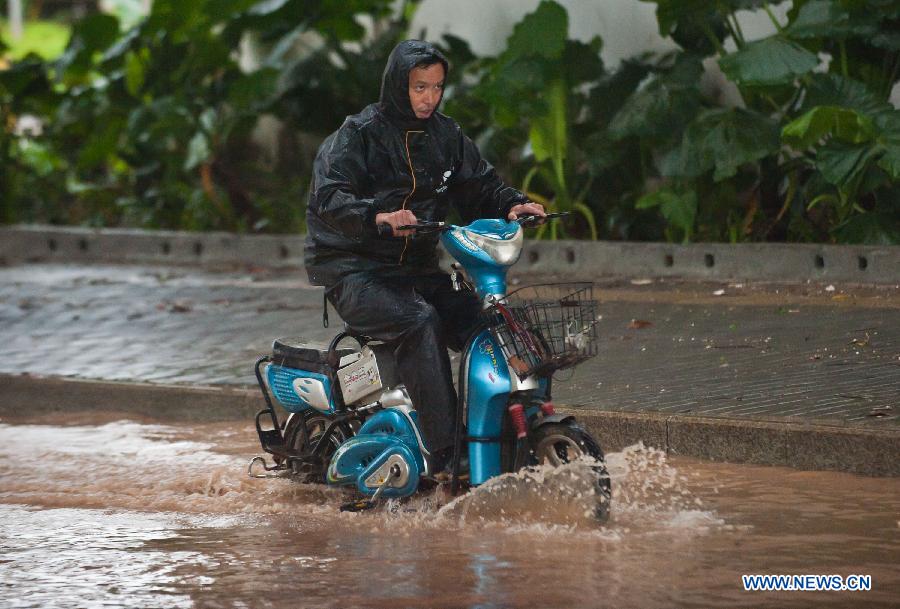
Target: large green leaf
[(92, 34), (542, 33), (612, 90), (887, 39), (844, 164), (828, 18), (888, 125), (835, 90), (770, 61), (254, 91), (581, 61), (22, 81), (40, 158), (844, 124), (678, 208), (723, 140), (671, 13), (135, 70), (671, 99), (198, 151), (872, 228), (548, 132)]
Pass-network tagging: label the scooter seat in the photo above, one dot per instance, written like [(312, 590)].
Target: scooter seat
[(295, 352)]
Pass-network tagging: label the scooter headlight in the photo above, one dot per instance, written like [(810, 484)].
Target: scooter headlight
[(504, 252)]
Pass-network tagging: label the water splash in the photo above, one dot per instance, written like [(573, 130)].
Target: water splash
[(650, 497), (649, 492), (202, 470)]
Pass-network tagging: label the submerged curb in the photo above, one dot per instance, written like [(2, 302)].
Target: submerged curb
[(765, 442), (778, 262)]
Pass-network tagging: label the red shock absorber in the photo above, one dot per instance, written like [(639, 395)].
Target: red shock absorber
[(517, 414), (548, 409)]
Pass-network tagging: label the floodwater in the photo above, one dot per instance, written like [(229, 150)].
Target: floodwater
[(100, 511)]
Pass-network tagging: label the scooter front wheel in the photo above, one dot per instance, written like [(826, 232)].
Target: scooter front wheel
[(560, 443)]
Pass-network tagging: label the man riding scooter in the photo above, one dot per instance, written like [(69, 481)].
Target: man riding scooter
[(397, 162)]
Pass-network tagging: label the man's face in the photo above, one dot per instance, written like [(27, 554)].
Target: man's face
[(426, 85)]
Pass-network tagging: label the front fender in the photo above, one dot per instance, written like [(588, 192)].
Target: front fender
[(553, 418)]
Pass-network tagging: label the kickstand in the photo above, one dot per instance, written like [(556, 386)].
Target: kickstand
[(262, 461), (361, 505)]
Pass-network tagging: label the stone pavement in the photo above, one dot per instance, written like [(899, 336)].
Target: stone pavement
[(761, 355)]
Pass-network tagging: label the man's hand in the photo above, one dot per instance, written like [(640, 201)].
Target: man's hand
[(401, 217), (526, 208)]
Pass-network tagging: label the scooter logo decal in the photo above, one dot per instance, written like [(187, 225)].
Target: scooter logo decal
[(465, 242), (444, 179), (487, 348)]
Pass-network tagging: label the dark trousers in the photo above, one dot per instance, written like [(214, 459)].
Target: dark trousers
[(420, 317)]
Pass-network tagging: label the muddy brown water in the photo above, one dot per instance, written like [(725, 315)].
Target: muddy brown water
[(102, 511)]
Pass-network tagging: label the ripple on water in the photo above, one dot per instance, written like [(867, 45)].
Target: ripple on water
[(165, 516)]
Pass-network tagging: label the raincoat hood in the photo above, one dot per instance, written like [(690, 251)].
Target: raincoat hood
[(394, 102)]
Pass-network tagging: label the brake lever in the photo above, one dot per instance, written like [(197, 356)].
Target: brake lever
[(532, 220), (424, 227)]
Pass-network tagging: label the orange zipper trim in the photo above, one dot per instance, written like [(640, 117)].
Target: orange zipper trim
[(412, 172)]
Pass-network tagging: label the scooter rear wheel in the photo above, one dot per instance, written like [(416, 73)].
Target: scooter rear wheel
[(560, 443), (316, 424)]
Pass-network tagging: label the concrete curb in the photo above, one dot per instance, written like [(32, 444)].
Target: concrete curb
[(708, 261), (802, 446)]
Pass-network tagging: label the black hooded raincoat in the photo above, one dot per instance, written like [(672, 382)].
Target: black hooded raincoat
[(390, 288), (385, 159)]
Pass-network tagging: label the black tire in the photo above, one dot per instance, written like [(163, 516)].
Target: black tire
[(559, 443), (295, 439)]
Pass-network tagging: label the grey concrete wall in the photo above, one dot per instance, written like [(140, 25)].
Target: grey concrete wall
[(712, 261), (803, 446)]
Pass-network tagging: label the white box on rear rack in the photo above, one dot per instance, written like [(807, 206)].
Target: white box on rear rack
[(360, 378)]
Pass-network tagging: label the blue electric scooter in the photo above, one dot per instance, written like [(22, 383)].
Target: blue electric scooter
[(351, 421)]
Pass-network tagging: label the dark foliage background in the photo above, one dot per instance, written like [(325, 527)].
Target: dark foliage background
[(157, 126)]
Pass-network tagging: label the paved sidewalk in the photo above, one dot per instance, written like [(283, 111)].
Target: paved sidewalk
[(768, 355)]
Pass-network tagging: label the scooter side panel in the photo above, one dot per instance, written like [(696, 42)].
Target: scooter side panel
[(487, 388), (386, 433), (299, 390), (360, 456)]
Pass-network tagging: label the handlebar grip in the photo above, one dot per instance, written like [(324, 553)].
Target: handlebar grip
[(385, 230)]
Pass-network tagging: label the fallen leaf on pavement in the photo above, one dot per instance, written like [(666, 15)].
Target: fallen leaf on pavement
[(637, 324), (178, 306), (860, 342)]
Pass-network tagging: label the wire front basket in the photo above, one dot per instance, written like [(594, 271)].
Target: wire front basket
[(544, 328)]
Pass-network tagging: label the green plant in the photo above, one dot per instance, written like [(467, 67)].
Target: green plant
[(533, 88), (154, 126), (47, 39), (809, 153)]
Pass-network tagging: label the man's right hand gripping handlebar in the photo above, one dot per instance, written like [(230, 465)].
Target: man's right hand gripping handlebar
[(390, 223)]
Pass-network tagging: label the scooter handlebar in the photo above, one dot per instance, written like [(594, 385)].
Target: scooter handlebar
[(530, 220), (424, 226), (526, 220)]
